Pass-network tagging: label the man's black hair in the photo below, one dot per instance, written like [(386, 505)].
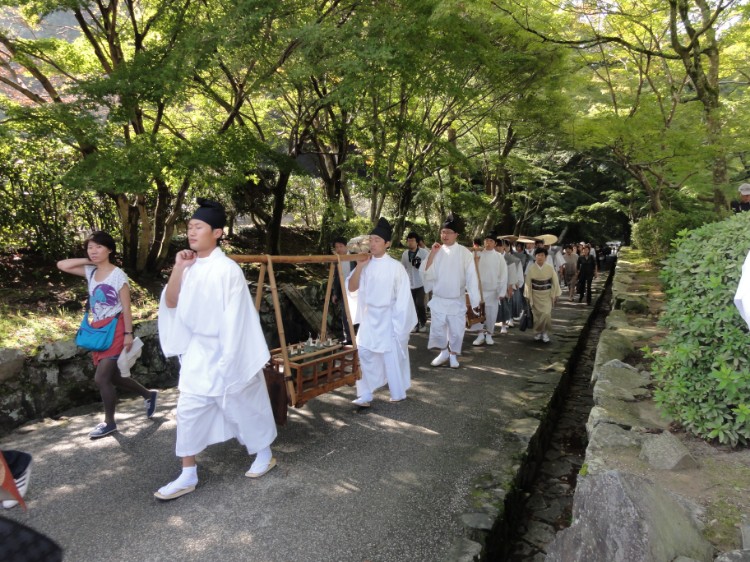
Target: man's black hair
[(339, 240)]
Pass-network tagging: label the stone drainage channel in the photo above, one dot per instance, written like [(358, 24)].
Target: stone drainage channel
[(549, 497)]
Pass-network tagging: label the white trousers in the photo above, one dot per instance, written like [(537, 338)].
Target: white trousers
[(205, 420), (378, 369), (447, 331), (491, 307)]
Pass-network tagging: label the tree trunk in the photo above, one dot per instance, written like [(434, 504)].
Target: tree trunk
[(501, 205), (703, 43), (451, 169), (402, 210), (273, 236)]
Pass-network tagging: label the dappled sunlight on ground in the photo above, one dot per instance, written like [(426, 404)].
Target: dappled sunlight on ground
[(352, 484)]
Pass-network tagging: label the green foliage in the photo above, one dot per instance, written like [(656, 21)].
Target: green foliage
[(409, 106), (347, 225), (654, 235), (36, 211), (23, 328), (703, 367)]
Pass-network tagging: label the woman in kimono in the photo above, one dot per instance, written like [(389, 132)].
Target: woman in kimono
[(383, 306), (542, 289)]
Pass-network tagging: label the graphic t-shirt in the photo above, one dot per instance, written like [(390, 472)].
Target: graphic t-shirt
[(105, 295)]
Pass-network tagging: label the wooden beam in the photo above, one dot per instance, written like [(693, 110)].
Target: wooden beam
[(264, 258)]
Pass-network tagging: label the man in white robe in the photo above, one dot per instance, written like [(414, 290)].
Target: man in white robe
[(207, 319), (493, 272), (379, 287), (449, 273), (742, 296)]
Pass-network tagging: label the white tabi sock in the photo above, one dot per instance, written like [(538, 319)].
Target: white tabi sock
[(262, 459), (188, 477)]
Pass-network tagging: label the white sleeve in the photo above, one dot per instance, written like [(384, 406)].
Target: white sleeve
[(502, 284), (174, 336), (429, 276), (352, 297), (121, 279), (472, 282), (742, 296)]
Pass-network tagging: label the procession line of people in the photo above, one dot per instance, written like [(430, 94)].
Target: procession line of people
[(207, 319)]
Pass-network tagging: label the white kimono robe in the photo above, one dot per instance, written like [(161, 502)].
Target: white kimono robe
[(386, 316), (555, 258), (216, 333), (450, 277), (493, 272), (512, 265), (742, 296)]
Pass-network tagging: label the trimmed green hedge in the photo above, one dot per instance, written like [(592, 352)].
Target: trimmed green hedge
[(654, 235), (702, 369)]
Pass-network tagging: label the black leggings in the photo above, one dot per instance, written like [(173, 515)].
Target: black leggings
[(107, 377), (584, 288), (418, 296)]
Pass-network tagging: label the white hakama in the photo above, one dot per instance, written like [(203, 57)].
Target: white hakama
[(378, 369), (216, 333), (451, 275), (742, 296), (493, 272), (384, 308), (205, 420)]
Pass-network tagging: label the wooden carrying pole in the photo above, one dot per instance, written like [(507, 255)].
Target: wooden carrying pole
[(259, 292), (266, 266), (329, 288), (479, 277), (266, 258), (282, 336), (346, 301), (269, 260)]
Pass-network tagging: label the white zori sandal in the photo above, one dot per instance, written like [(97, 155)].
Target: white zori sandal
[(174, 495), (258, 474)]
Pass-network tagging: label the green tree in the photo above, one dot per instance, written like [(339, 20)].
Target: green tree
[(645, 40), (702, 366), (151, 100), (36, 211)]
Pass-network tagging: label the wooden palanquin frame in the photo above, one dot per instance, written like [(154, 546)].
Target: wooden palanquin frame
[(317, 372)]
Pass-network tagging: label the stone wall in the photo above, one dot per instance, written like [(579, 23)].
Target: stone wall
[(59, 375), (498, 497), (619, 515)]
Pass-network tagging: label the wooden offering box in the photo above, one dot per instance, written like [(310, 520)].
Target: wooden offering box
[(317, 371)]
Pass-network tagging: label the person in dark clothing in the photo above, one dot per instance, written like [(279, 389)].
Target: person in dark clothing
[(411, 259), (339, 247), (587, 271), (744, 203)]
